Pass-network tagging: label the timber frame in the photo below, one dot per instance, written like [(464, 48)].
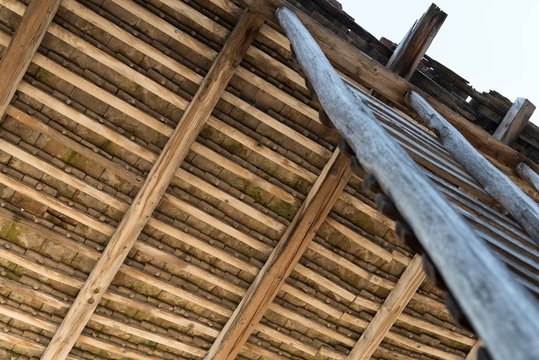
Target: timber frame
[(172, 187)]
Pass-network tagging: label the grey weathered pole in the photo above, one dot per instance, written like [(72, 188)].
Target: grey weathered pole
[(496, 184), (497, 306)]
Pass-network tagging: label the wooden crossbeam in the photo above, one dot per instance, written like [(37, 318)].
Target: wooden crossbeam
[(390, 310), (523, 209), (22, 48), (284, 257), (514, 121), (484, 287), (135, 219), (413, 47)]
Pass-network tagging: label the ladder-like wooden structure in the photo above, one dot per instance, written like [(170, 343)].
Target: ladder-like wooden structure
[(482, 285), (477, 279)]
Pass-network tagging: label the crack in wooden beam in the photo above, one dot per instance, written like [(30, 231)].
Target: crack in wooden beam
[(390, 310), (123, 239), (284, 257), (21, 50)]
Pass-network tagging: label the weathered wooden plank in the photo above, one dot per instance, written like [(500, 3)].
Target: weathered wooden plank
[(22, 48), (390, 310), (483, 286), (284, 257), (514, 121), (526, 173), (411, 49), (153, 189), (523, 209)]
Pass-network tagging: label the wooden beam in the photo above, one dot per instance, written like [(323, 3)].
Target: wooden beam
[(177, 147), (514, 121), (472, 355), (284, 257), (527, 174), (22, 48), (483, 286), (371, 74), (523, 209), (390, 310), (413, 47)]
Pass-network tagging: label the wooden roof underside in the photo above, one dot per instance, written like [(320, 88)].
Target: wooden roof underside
[(108, 85)]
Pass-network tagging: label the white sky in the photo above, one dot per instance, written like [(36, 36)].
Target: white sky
[(491, 43)]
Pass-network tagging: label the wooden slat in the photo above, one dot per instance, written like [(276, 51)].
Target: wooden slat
[(480, 282), (22, 48), (411, 49), (151, 192), (284, 257), (514, 121), (388, 313), (523, 209)]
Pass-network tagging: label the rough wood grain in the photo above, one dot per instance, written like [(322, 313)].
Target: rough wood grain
[(371, 74), (514, 121), (523, 209), (156, 183), (527, 174), (22, 48), (390, 310), (411, 49), (483, 286), (284, 257)]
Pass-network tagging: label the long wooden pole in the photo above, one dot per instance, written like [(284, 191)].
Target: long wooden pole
[(497, 184), (139, 213), (24, 45), (497, 306), (283, 259), (526, 173)]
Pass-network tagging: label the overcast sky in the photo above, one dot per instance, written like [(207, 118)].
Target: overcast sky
[(490, 43)]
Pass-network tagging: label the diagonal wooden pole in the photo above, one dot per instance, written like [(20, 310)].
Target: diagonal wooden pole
[(284, 257), (390, 310), (159, 178), (22, 48)]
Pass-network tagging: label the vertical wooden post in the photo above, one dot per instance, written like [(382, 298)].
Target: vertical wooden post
[(390, 310), (514, 121), (159, 178), (23, 46), (413, 47)]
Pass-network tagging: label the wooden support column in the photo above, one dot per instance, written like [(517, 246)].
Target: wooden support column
[(413, 47), (23, 46), (284, 257), (482, 284), (390, 310), (514, 121), (527, 174), (154, 187), (498, 185)]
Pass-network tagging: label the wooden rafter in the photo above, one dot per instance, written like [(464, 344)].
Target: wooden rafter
[(284, 257), (23, 46), (390, 310), (413, 47), (514, 121), (527, 174), (177, 147)]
